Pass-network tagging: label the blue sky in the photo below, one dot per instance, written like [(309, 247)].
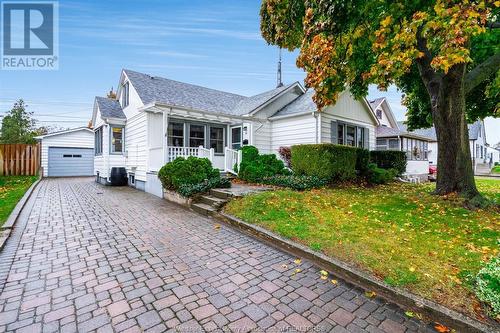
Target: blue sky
[(211, 43)]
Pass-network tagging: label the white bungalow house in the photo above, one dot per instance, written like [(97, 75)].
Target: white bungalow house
[(424, 139), (154, 120)]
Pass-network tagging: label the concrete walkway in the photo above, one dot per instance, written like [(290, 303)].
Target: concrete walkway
[(89, 257)]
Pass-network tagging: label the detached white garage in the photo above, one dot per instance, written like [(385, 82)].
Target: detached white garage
[(68, 153)]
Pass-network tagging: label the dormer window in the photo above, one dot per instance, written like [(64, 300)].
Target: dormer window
[(379, 114), (125, 95)]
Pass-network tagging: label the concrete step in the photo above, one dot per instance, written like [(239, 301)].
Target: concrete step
[(203, 208), (212, 201), (221, 194)]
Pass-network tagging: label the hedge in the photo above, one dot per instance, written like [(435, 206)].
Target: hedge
[(254, 167), (325, 161), (389, 159)]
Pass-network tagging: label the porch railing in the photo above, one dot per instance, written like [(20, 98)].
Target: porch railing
[(174, 152), (232, 160)]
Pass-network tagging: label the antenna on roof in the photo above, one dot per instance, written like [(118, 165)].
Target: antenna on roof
[(111, 94), (279, 82)]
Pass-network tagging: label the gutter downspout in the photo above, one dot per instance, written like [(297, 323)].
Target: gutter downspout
[(317, 117)]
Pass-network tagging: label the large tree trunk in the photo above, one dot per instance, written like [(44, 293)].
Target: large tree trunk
[(455, 170)]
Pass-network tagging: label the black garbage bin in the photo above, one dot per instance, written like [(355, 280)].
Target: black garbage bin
[(118, 176)]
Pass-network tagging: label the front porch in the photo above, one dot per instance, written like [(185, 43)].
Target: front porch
[(174, 133)]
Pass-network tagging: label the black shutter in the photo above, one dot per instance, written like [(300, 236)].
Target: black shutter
[(366, 141), (334, 132)]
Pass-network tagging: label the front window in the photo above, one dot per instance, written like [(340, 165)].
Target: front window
[(350, 136), (117, 138), (217, 139), (236, 137), (176, 134), (416, 150), (196, 135)]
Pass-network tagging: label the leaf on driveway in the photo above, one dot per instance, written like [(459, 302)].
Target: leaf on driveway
[(370, 294), (216, 226), (324, 275), (409, 314), (334, 281), (441, 328), (297, 261)]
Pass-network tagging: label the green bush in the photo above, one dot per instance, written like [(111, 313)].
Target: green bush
[(487, 286), (325, 161), (190, 171), (255, 167), (188, 190), (389, 159), (362, 161), (299, 183), (376, 175)]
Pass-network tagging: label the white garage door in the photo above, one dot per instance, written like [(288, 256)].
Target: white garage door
[(66, 162)]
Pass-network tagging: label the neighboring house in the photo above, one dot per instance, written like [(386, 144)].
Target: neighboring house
[(391, 136), (421, 144), (67, 153), (492, 155), (154, 120), (477, 142)]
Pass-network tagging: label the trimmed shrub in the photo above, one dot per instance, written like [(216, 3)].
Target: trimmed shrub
[(362, 161), (190, 171), (487, 286), (389, 159), (255, 167), (325, 161), (376, 175), (286, 155), (299, 183), (188, 190)]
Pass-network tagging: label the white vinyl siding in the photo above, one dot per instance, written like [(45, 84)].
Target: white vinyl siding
[(136, 145), (293, 131), (78, 139), (262, 136)]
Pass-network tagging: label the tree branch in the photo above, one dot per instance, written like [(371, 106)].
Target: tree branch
[(481, 72)]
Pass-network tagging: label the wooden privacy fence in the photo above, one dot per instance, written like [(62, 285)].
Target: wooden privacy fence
[(19, 159)]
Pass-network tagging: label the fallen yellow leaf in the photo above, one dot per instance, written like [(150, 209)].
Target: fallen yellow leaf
[(297, 261)]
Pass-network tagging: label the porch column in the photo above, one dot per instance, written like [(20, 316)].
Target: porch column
[(165, 137)]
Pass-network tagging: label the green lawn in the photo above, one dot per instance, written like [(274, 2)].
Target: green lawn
[(12, 189), (400, 233), (495, 169)]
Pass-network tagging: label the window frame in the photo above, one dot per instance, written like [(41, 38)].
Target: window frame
[(342, 126), (223, 138), (125, 94), (174, 121), (240, 127), (188, 132), (98, 141), (111, 145), (379, 114)]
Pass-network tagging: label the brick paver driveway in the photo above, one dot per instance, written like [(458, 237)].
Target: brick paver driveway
[(114, 259)]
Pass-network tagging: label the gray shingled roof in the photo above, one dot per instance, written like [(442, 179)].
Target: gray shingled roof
[(154, 89), (430, 132), (249, 104), (376, 102), (110, 108), (387, 132), (474, 130), (302, 104)]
